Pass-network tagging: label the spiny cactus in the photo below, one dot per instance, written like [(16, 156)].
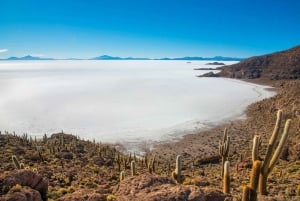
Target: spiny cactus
[(273, 152), (226, 178), (132, 167), (176, 174), (224, 149), (16, 161), (250, 191), (122, 176), (298, 190), (22, 166), (255, 148), (151, 165), (254, 177)]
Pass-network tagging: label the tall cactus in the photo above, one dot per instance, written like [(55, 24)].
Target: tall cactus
[(122, 176), (254, 177), (224, 149), (226, 178), (177, 173), (255, 148), (132, 167), (250, 191), (16, 161), (273, 152), (249, 194)]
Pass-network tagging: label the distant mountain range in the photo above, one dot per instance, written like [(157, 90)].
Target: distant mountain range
[(28, 57), (107, 57)]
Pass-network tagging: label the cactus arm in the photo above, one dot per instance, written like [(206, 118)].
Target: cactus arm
[(271, 145), (280, 145), (227, 146), (16, 162), (276, 128), (224, 149), (255, 148)]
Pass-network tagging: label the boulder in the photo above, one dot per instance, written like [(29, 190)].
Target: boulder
[(24, 178), (153, 187), (24, 194), (84, 194)]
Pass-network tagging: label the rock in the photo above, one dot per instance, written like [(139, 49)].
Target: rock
[(215, 63), (214, 159), (25, 194), (214, 195), (209, 74), (199, 181), (294, 152), (84, 194), (24, 178), (285, 153), (66, 155), (152, 187), (244, 165)]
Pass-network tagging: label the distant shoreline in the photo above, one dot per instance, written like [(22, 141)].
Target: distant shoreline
[(202, 144)]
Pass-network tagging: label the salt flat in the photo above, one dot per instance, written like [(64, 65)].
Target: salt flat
[(131, 102)]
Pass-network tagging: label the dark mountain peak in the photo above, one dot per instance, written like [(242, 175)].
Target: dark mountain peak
[(106, 57)]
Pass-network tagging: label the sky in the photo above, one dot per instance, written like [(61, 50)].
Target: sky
[(147, 28)]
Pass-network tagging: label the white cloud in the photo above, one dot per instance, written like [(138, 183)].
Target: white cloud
[(3, 50)]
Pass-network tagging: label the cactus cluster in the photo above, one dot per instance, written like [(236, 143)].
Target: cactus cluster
[(224, 149), (274, 149), (261, 169)]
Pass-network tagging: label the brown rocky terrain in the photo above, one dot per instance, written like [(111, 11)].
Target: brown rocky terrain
[(275, 66), (65, 168)]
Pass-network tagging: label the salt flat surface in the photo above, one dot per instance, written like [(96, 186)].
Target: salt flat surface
[(131, 102)]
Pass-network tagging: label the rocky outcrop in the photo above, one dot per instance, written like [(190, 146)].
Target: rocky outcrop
[(24, 178), (215, 63), (23, 194), (152, 187), (88, 195), (279, 65), (209, 74)]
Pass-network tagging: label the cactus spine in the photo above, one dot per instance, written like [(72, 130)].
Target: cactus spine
[(226, 178), (16, 162), (224, 149), (273, 152), (132, 167)]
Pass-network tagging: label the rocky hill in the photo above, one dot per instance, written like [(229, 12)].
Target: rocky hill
[(275, 66)]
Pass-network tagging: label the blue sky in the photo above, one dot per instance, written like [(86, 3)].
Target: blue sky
[(147, 28)]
